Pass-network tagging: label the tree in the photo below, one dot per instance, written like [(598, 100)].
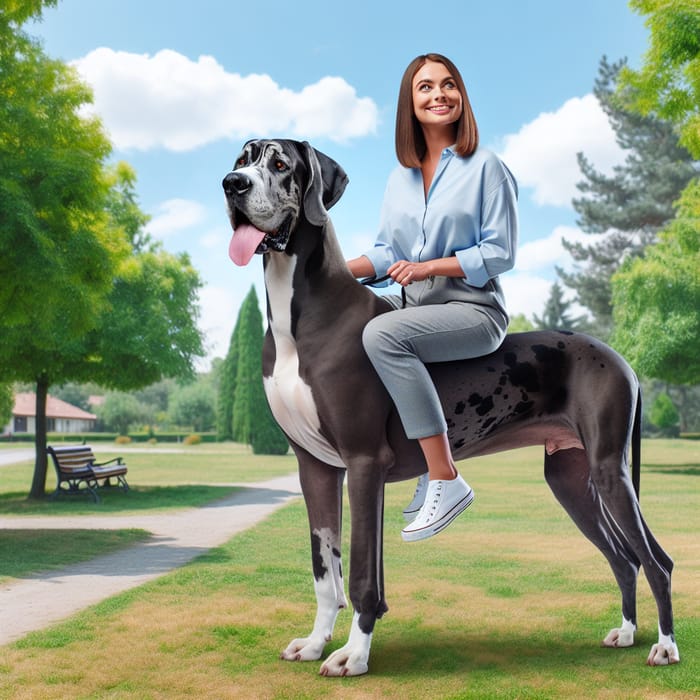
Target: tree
[(664, 415), (194, 405), (7, 402), (120, 411), (227, 386), (556, 312), (623, 211), (84, 293), (668, 84), (252, 420), (657, 301), (58, 253), (519, 324)]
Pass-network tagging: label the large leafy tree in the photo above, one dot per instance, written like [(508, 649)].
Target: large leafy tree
[(657, 301), (58, 253), (623, 211), (668, 83), (84, 294)]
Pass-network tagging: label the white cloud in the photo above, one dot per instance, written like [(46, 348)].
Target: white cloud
[(525, 294), (546, 252), (542, 155), (175, 215), (169, 101)]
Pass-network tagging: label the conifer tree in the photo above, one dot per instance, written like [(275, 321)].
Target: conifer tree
[(252, 420), (227, 388), (625, 210), (556, 313)]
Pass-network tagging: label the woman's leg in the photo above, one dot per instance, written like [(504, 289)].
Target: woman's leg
[(398, 344)]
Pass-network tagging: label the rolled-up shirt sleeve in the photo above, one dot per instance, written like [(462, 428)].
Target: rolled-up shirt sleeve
[(470, 212), (494, 253)]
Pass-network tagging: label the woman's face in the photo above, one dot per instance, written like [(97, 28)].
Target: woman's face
[(436, 97)]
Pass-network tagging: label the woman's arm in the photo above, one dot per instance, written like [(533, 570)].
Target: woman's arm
[(404, 272), (361, 267)]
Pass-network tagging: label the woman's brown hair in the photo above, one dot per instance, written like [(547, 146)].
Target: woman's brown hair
[(410, 142)]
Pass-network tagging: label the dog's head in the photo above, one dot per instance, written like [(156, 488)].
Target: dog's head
[(275, 184)]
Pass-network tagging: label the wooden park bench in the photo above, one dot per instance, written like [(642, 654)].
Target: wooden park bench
[(77, 471)]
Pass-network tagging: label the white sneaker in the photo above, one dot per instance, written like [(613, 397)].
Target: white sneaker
[(411, 510), (444, 501)]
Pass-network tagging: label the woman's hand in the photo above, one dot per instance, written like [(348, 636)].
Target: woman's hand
[(404, 272)]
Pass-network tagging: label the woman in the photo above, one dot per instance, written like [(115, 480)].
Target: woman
[(448, 228)]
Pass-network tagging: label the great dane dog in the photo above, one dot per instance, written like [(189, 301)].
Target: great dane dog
[(565, 391)]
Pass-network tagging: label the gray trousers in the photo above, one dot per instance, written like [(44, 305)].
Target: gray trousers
[(400, 342)]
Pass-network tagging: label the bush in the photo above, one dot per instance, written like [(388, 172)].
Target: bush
[(664, 415), (192, 440), (122, 440)]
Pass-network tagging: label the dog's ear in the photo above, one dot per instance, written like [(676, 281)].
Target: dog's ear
[(327, 181)]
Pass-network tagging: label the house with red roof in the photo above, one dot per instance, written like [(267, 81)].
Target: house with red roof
[(61, 417)]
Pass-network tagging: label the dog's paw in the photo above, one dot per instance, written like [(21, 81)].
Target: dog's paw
[(663, 653), (347, 661), (306, 649), (621, 636)]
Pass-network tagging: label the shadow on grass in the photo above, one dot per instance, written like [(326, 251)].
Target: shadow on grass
[(24, 553), (472, 652), (677, 469), (116, 501)]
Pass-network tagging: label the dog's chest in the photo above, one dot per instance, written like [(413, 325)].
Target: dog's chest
[(290, 397)]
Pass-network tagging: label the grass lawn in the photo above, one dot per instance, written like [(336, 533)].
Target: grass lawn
[(510, 602), (182, 477)]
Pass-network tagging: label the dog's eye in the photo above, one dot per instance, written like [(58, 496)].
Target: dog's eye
[(280, 165), (241, 162)]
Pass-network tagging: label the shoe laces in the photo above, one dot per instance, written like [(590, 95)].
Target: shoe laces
[(436, 499)]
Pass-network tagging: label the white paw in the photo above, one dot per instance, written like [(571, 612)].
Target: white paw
[(621, 636), (306, 649), (663, 653), (347, 661)]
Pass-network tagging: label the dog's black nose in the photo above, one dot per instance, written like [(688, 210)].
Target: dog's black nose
[(236, 183)]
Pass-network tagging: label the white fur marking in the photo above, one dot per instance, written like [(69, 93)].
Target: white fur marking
[(291, 400), (664, 652), (353, 658), (622, 636)]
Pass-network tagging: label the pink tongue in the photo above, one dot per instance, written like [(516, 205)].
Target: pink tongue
[(244, 243)]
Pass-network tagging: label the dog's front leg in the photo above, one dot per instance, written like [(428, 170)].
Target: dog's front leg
[(366, 492), (322, 486)]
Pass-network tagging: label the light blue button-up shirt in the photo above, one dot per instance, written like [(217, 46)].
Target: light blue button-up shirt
[(470, 212)]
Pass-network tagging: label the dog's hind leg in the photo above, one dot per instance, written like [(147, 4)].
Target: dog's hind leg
[(602, 502), (322, 486), (568, 474), (612, 479)]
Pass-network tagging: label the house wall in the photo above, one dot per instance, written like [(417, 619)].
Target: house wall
[(53, 425)]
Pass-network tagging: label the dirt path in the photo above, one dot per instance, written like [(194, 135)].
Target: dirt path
[(34, 603)]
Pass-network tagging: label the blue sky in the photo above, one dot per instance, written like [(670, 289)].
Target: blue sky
[(181, 85)]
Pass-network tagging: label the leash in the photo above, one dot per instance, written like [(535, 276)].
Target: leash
[(367, 281)]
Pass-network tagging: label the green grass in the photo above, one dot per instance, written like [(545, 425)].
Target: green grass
[(26, 552), (510, 602), (182, 478)]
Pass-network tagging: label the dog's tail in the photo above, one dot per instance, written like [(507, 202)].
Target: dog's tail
[(637, 442)]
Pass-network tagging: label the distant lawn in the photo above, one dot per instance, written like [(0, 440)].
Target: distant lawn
[(184, 478), (510, 602), (27, 552)]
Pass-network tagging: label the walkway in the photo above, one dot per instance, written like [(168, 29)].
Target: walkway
[(33, 603)]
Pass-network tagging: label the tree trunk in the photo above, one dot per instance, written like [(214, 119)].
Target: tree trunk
[(38, 489)]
